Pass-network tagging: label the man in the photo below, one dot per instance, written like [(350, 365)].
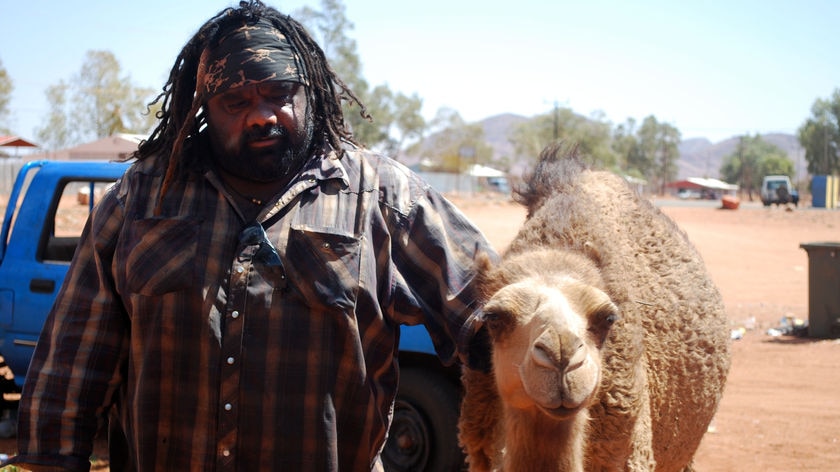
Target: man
[(237, 297)]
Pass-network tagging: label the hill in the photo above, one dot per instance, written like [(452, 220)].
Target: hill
[(699, 157)]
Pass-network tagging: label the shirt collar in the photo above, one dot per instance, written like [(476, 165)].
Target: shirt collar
[(327, 165)]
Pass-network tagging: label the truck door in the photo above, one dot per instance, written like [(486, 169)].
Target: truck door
[(41, 245)]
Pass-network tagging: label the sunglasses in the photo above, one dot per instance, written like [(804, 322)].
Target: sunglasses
[(266, 254)]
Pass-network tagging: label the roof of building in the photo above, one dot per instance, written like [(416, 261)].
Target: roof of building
[(116, 146), (703, 182), (15, 141)]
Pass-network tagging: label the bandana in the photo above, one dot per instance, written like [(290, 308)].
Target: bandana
[(251, 54)]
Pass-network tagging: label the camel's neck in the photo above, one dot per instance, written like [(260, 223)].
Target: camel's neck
[(534, 442)]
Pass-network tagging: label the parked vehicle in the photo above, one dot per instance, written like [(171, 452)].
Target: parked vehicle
[(48, 205), (499, 184), (686, 194), (777, 189)]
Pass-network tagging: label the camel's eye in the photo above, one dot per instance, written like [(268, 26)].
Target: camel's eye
[(493, 318), (497, 322), (602, 319)]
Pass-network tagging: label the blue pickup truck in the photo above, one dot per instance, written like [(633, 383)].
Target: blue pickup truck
[(47, 208)]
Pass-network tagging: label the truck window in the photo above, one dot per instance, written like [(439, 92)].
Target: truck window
[(74, 201), (24, 188)]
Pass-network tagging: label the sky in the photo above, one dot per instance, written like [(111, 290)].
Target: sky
[(712, 69)]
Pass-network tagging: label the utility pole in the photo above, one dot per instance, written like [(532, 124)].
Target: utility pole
[(741, 163), (826, 166)]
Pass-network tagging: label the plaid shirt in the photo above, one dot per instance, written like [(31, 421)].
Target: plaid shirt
[(218, 361)]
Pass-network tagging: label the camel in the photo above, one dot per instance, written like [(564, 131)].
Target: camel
[(610, 340)]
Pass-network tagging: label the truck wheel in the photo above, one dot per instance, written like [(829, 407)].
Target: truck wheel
[(424, 433)]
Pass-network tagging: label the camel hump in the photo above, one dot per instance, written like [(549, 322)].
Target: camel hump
[(557, 169)]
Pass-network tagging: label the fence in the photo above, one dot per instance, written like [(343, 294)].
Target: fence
[(9, 168)]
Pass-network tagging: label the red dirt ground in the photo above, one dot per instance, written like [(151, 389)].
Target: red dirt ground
[(781, 407)]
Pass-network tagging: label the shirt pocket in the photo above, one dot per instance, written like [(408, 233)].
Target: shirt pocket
[(161, 255), (324, 267)]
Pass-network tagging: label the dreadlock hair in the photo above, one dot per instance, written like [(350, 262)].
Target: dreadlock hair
[(182, 115)]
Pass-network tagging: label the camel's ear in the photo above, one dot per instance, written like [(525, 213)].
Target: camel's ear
[(592, 253), (483, 267), (483, 263)]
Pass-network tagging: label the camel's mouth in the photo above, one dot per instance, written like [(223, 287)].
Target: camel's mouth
[(560, 413), (552, 394)]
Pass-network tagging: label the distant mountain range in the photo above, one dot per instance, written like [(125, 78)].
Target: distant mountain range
[(699, 157)]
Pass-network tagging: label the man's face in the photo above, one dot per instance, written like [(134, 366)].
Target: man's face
[(260, 132)]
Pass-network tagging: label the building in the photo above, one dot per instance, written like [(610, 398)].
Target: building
[(700, 187), (14, 142), (115, 147)]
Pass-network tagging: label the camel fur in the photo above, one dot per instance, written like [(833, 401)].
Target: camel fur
[(610, 340)]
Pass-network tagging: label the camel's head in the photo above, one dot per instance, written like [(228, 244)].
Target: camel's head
[(548, 328)]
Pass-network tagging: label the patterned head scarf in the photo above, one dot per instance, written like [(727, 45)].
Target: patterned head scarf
[(251, 54)]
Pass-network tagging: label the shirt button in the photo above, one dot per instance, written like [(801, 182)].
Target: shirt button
[(228, 407), (230, 360), (235, 314)]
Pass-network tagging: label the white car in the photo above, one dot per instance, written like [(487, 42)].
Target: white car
[(685, 193), (778, 189)]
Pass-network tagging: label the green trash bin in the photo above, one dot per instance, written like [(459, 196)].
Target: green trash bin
[(823, 289)]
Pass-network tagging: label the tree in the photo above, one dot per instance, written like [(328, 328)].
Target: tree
[(820, 136), (105, 102), (396, 120), (6, 87), (753, 159), (776, 163), (529, 138), (55, 134), (96, 103), (592, 136), (395, 117), (658, 152), (456, 144), (408, 122), (628, 151)]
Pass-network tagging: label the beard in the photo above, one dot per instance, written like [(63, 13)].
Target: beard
[(267, 164)]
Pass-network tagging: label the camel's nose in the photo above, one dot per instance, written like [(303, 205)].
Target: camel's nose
[(560, 351), (543, 356)]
